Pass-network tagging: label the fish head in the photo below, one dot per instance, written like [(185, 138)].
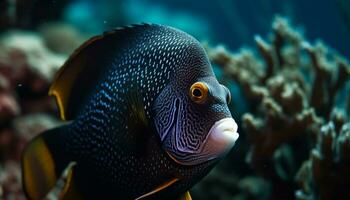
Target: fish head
[(191, 115)]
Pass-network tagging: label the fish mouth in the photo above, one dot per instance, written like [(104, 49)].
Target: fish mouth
[(221, 137)]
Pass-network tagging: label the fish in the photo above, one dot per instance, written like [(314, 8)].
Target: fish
[(146, 119)]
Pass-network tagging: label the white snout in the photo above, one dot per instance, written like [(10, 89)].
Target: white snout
[(222, 136)]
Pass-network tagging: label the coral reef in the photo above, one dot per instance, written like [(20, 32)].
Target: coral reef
[(27, 67), (294, 141), (293, 89), (223, 185)]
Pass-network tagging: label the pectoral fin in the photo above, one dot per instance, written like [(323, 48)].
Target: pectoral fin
[(159, 188), (65, 188)]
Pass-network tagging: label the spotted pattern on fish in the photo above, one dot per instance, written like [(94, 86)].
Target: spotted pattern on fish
[(100, 138)]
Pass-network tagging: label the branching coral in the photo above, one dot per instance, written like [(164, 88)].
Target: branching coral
[(293, 90), (326, 174), (292, 93)]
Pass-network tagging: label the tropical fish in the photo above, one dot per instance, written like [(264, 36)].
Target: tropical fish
[(147, 119)]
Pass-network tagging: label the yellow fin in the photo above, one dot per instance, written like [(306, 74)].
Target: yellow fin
[(78, 76), (186, 196), (38, 169), (64, 188), (65, 78), (159, 188)]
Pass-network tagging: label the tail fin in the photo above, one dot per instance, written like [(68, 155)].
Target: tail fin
[(42, 163)]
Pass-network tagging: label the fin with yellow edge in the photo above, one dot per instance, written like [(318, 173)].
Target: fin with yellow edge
[(42, 163), (65, 188), (186, 196), (158, 189), (78, 77)]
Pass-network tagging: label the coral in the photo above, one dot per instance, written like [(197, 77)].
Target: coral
[(325, 175), (291, 89), (10, 181), (26, 51), (27, 67), (13, 139), (294, 135), (9, 108), (223, 185)]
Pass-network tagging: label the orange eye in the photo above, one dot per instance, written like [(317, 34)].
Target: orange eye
[(199, 92)]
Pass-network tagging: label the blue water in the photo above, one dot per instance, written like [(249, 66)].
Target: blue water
[(231, 22)]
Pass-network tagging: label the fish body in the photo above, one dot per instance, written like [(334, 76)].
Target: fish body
[(148, 117)]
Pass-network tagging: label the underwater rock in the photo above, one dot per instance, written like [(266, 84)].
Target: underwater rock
[(292, 88)]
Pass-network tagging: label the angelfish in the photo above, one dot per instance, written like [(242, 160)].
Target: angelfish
[(147, 119)]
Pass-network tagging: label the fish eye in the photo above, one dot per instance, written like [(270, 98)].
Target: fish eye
[(199, 92), (228, 98)]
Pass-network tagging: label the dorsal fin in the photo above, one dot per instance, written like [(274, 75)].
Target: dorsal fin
[(78, 76)]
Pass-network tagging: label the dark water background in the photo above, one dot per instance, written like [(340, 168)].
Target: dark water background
[(231, 22)]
